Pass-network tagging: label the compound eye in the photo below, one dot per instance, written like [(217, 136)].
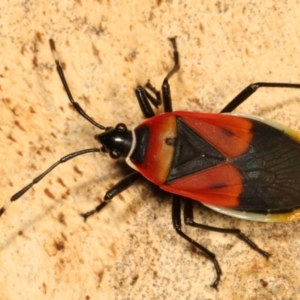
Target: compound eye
[(121, 127), (114, 154)]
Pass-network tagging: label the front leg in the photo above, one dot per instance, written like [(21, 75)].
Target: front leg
[(122, 185), (145, 98)]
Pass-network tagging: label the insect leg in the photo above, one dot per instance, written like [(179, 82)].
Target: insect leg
[(189, 220), (122, 185), (176, 218), (144, 97), (251, 89), (166, 92)]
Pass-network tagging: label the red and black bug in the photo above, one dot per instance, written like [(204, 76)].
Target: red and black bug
[(240, 165)]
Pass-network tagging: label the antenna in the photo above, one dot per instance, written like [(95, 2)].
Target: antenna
[(78, 108)]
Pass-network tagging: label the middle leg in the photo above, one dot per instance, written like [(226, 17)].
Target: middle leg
[(145, 98)]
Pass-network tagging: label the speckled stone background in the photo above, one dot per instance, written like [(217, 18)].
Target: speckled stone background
[(130, 250)]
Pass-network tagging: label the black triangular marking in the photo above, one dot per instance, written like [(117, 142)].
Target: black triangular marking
[(185, 150), (192, 153)]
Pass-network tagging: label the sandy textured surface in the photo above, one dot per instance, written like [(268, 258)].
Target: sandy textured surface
[(130, 250)]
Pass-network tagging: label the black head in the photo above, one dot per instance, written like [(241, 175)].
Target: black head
[(115, 141)]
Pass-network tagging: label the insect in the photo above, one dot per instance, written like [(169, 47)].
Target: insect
[(240, 165)]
